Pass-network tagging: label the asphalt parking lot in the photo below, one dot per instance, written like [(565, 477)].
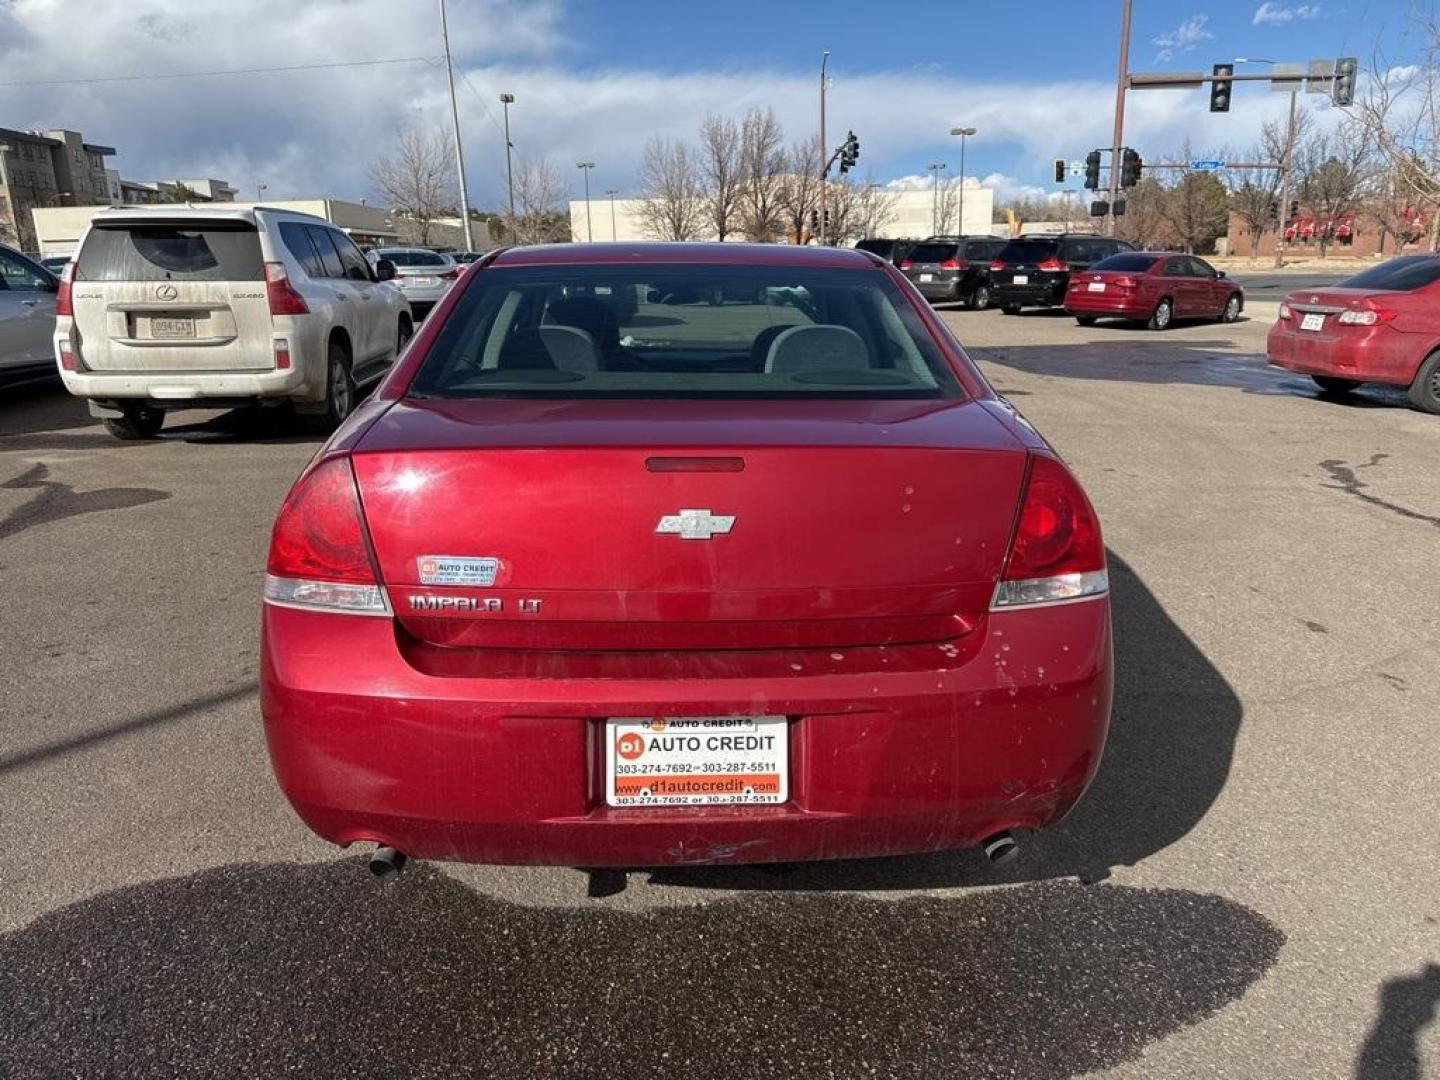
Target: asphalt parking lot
[(1251, 887)]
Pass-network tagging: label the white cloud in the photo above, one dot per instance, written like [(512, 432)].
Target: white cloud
[(312, 133), (1183, 38), (1271, 12)]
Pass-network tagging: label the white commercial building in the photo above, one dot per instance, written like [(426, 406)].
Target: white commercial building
[(912, 214)]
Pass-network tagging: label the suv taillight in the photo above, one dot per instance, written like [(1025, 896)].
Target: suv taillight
[(906, 264), (1057, 553), (319, 554), (1052, 264), (954, 264), (64, 304), (997, 265), (284, 300)]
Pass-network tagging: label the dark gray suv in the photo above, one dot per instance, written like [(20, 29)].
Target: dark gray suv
[(953, 268), (1034, 271)]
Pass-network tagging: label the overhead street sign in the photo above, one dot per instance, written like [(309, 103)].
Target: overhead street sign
[(1206, 166)]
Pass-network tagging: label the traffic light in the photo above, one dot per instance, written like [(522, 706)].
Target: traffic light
[(1294, 209), (849, 153), (1220, 87), (1130, 166), (1342, 90), (1092, 170), (1273, 214), (1059, 170), (814, 221)]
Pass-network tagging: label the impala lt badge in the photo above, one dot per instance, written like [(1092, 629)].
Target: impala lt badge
[(696, 524)]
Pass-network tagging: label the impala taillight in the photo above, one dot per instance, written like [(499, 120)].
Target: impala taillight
[(319, 554), (451, 274), (1057, 553)]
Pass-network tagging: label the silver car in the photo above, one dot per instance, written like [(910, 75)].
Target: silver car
[(424, 276), (27, 320)]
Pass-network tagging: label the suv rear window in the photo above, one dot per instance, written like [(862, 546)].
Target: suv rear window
[(1028, 251), (1401, 275), (414, 258), (928, 253), (1127, 262), (144, 251), (695, 331)]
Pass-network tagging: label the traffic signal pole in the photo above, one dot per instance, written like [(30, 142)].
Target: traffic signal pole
[(1285, 186), (1122, 79)]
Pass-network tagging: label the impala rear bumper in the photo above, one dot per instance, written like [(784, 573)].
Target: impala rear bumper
[(1002, 729)]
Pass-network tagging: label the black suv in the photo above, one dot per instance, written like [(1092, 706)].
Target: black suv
[(891, 250), (1034, 271), (953, 268)]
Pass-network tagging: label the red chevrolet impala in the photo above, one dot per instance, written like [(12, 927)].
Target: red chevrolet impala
[(655, 554), (1153, 287)]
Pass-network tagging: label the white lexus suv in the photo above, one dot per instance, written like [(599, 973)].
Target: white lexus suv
[(207, 307)]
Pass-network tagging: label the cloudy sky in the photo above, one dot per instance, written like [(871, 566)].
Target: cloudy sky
[(594, 79)]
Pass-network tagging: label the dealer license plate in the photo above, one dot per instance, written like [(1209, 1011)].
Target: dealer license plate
[(1313, 321), (1097, 286), (1021, 279), (172, 328), (696, 760)]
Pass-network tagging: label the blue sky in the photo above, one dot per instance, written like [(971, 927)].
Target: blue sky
[(594, 79)]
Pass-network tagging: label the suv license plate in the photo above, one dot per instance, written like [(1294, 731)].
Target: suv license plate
[(1313, 321), (927, 277), (1021, 279), (172, 328), (696, 760)]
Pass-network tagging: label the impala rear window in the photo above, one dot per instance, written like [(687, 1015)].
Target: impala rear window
[(1126, 263), (219, 251), (684, 331)]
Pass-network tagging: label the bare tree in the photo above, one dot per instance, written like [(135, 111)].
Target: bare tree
[(800, 188), (1144, 222), (762, 163), (672, 191), (1255, 193), (417, 180), (1399, 110), (947, 204), (1335, 170), (861, 209), (723, 174), (539, 200)]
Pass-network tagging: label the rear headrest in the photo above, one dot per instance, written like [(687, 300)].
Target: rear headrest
[(590, 314), (570, 349), (818, 348)]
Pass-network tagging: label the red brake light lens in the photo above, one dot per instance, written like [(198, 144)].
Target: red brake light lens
[(1052, 264), (997, 265), (284, 300), (1057, 553), (451, 274), (1125, 283), (319, 556), (1368, 315), (1284, 311), (64, 305), (906, 264), (953, 264)]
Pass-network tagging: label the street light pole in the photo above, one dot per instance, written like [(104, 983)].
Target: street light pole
[(260, 190), (1118, 142), (962, 132), (506, 100), (612, 192), (935, 167), (455, 121), (824, 61), (585, 167)]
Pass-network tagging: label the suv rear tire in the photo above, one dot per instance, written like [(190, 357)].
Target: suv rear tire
[(979, 297), (1425, 390), (339, 387), (138, 422), (1011, 309)]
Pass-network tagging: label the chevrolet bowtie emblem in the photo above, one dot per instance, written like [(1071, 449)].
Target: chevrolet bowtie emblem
[(695, 524)]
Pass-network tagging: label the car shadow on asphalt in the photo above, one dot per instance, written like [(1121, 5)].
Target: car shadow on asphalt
[(319, 971), (41, 407), (1154, 358), (1172, 736)]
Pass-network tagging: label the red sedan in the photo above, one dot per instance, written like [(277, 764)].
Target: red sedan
[(1381, 326), (1153, 287), (669, 554)]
